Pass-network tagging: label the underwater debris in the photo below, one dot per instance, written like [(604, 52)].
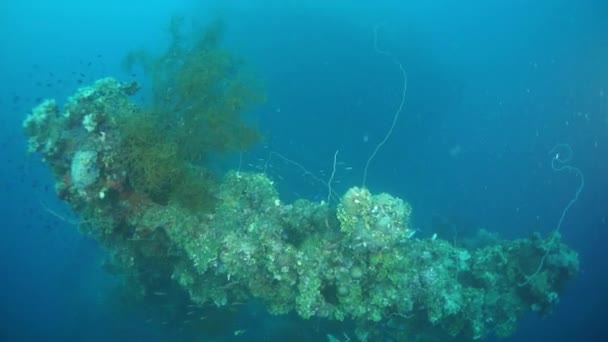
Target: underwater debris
[(175, 231), (356, 261)]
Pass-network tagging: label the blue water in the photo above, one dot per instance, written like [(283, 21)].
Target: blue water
[(492, 87)]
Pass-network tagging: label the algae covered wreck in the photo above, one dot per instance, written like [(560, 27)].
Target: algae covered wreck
[(137, 175)]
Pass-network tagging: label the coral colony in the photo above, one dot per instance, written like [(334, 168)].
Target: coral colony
[(139, 177)]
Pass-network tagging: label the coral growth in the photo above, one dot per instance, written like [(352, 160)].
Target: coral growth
[(199, 95), (137, 176)]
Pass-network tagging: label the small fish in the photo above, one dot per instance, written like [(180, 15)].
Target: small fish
[(160, 293)]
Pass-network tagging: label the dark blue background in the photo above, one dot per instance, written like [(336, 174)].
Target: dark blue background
[(492, 87)]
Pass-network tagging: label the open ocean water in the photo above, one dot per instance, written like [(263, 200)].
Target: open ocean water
[(499, 94)]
